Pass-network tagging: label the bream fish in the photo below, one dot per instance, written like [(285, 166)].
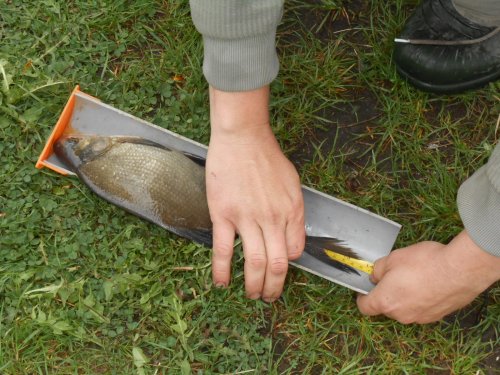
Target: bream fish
[(158, 184)]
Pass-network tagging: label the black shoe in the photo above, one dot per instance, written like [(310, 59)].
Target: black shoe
[(443, 52)]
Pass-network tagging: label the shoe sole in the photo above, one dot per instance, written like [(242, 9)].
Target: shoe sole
[(453, 88)]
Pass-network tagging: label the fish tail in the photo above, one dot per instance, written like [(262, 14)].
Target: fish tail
[(331, 243), (316, 247)]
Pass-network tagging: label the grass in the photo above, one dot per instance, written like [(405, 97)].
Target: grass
[(86, 288)]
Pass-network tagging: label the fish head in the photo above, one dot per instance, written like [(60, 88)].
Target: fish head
[(76, 150)]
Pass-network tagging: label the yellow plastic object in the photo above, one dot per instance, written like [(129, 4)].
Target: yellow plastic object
[(358, 264)]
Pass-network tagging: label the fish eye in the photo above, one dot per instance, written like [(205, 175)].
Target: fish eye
[(78, 143), (99, 145)]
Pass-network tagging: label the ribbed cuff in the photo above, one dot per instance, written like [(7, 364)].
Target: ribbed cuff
[(479, 205), (240, 64)]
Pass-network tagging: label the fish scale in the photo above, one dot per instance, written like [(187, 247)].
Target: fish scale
[(153, 182), (166, 183)]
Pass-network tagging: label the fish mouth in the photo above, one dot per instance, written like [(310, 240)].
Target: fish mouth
[(64, 150)]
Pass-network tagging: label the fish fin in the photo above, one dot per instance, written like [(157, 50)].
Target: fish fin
[(331, 243), (316, 246), (201, 236), (197, 159), (138, 140)]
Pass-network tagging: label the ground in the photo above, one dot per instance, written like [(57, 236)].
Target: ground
[(87, 288)]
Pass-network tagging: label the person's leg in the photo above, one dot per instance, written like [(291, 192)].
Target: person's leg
[(443, 51), (483, 12)]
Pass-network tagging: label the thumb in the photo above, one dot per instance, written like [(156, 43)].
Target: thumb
[(379, 270), (367, 304)]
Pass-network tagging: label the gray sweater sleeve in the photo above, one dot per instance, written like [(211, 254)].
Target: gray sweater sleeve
[(239, 41), (479, 205)]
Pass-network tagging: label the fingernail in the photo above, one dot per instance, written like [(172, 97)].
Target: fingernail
[(220, 285), (269, 299), (254, 296)]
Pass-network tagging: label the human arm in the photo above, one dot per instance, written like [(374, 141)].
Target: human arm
[(252, 189), (426, 281)]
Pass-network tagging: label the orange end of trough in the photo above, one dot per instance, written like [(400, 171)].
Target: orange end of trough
[(58, 130), (61, 125)]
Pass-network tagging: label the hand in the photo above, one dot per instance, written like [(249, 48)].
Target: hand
[(252, 190), (424, 282)]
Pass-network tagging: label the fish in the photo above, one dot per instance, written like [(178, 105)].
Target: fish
[(162, 185)]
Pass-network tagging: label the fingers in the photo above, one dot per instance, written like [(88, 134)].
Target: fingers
[(366, 304), (295, 238), (223, 234), (381, 301), (370, 304), (266, 261), (277, 262), (379, 269), (255, 259), (266, 255)]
